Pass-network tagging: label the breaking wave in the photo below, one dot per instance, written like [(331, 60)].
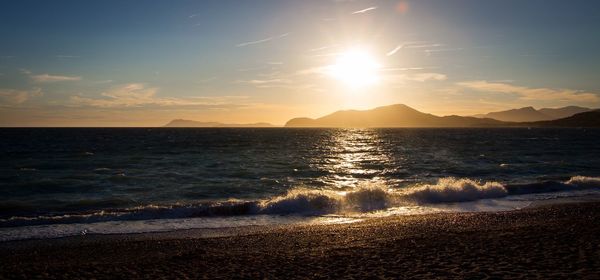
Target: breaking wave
[(317, 202), (456, 190)]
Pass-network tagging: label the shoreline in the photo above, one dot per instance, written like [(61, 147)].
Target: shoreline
[(554, 240)]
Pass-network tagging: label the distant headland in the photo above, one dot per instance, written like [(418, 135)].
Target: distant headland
[(400, 115), (190, 123)]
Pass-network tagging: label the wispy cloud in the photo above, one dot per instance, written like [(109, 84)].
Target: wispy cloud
[(423, 77), (406, 68), (395, 50), (434, 51), (254, 42), (47, 78), (416, 77), (364, 10), (421, 46), (252, 68), (325, 55), (322, 48), (244, 44), (66, 56), (264, 82), (11, 97), (139, 95), (527, 93)]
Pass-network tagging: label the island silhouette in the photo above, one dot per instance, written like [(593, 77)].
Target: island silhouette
[(530, 114), (400, 115), (190, 123)]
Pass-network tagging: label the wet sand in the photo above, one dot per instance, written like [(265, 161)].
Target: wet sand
[(549, 241)]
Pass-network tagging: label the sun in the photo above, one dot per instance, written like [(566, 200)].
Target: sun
[(355, 68)]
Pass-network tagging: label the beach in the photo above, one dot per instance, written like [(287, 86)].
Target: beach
[(546, 241)]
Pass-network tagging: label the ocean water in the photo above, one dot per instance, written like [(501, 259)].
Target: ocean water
[(56, 182)]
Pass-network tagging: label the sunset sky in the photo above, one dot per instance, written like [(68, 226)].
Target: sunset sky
[(144, 63)]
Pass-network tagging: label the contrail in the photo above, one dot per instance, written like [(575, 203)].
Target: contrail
[(394, 51), (364, 10), (254, 42)]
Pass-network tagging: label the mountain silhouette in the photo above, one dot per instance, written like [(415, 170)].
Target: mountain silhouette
[(189, 123), (585, 119), (400, 115), (529, 114), (564, 112)]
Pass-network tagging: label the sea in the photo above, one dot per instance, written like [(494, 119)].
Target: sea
[(57, 182)]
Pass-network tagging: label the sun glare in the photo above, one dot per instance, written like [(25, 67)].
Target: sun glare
[(355, 68)]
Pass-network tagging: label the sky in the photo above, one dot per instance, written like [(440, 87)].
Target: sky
[(144, 63)]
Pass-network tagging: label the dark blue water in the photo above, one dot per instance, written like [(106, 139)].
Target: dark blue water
[(56, 172)]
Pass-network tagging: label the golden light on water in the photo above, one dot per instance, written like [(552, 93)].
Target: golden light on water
[(355, 68), (354, 158)]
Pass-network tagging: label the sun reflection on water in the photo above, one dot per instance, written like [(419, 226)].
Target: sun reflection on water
[(353, 157)]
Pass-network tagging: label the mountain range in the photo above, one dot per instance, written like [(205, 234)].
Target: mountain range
[(189, 123), (400, 115), (529, 114)]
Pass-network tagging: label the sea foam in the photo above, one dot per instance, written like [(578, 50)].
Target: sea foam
[(583, 181), (456, 190), (307, 201)]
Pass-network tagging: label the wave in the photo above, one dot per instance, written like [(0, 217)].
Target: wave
[(456, 190), (317, 202)]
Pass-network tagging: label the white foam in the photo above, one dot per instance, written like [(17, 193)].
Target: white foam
[(303, 201), (455, 190), (583, 181), (306, 201)]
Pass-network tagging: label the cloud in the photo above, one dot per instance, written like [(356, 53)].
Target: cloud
[(423, 77), (103, 82), (252, 68), (139, 95), (66, 56), (420, 46), (244, 44), (429, 52), (405, 68), (526, 93), (364, 10), (395, 50), (417, 77), (254, 42), (322, 48), (263, 82), (46, 78), (13, 97)]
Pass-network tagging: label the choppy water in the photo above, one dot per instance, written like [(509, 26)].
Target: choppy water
[(56, 182)]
